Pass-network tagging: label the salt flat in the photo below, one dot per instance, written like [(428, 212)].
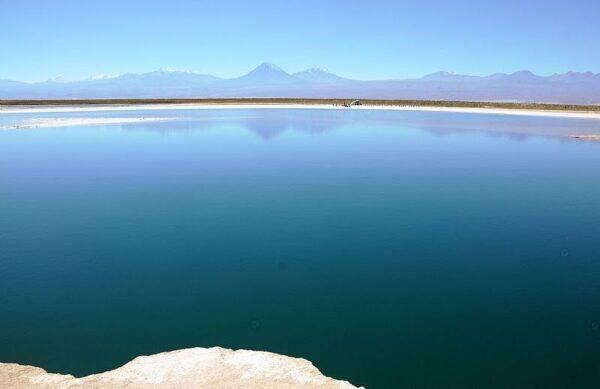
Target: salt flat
[(194, 106)]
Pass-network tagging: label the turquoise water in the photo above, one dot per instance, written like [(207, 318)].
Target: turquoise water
[(391, 249)]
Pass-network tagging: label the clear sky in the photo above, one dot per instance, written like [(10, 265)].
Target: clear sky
[(366, 39)]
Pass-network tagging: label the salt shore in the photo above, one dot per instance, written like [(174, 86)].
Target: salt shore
[(197, 106), (65, 122), (216, 368)]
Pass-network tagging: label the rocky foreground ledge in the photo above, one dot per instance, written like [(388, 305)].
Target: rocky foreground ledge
[(215, 367)]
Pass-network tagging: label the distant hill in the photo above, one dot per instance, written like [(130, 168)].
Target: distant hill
[(319, 76), (268, 80)]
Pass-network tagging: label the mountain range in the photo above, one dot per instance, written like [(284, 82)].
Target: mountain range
[(268, 80)]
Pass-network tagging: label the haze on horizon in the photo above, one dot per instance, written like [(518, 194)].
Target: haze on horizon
[(354, 39)]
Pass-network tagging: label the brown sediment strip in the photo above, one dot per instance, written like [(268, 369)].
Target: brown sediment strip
[(587, 137), (316, 101)]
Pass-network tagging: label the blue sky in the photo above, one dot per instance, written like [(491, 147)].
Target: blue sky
[(367, 39)]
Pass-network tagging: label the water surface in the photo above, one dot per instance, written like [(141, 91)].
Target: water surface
[(391, 249)]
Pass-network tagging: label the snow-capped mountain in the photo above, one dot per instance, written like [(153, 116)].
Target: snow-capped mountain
[(264, 74)]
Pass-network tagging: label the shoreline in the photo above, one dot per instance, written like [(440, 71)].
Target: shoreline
[(67, 122), (574, 114)]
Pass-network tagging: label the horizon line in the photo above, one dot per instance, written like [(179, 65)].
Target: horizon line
[(107, 76)]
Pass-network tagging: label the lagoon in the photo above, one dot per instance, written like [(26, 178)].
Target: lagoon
[(391, 249)]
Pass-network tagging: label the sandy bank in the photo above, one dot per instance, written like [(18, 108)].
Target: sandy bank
[(215, 367), (198, 106)]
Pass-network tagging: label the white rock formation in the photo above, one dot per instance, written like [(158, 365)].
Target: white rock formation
[(215, 368)]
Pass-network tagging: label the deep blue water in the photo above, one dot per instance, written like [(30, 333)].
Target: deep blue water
[(391, 249)]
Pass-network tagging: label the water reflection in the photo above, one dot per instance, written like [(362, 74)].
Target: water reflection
[(270, 124)]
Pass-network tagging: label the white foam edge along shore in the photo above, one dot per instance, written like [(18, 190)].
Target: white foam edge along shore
[(215, 368), (199, 106)]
